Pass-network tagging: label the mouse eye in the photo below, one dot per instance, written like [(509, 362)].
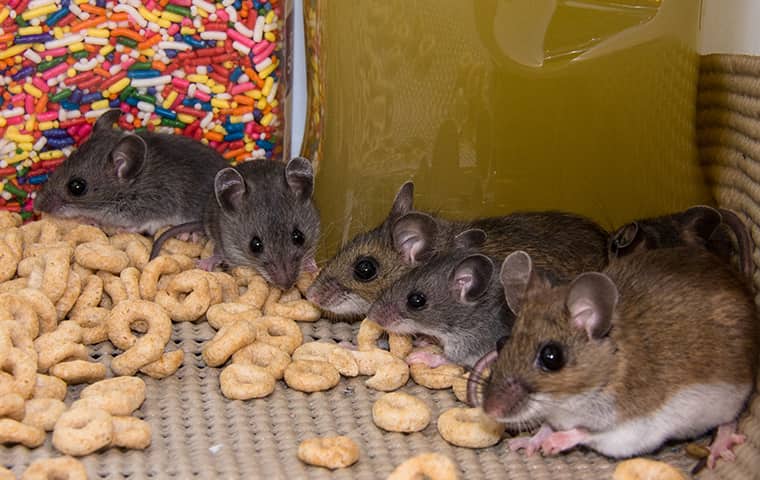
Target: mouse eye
[(551, 358), (257, 246), (297, 237), (416, 301), (365, 269), (77, 187)]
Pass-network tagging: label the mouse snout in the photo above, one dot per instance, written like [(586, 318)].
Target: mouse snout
[(383, 313), (501, 399), (284, 276), (48, 201)]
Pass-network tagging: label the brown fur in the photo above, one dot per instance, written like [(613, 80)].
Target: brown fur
[(682, 318)]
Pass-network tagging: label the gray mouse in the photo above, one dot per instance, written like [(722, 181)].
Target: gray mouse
[(700, 226), (370, 263), (137, 182), (660, 345), (455, 298), (260, 214)]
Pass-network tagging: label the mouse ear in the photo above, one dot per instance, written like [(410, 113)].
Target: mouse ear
[(700, 221), (591, 302), (516, 274), (106, 121), (471, 278), (472, 238), (403, 202), (625, 240), (413, 236), (128, 156), (229, 188), (300, 177)]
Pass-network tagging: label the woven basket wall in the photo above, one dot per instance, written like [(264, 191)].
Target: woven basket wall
[(199, 434)]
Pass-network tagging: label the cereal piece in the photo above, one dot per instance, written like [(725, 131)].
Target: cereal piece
[(42, 306), (268, 357), (146, 349), (645, 469), (48, 270), (369, 333), (329, 452), (60, 344), (187, 296), (12, 286), (94, 323), (223, 314), (459, 387), (85, 234), (43, 412), (9, 219), (304, 281), (257, 289), (22, 377), (433, 466), (152, 272), (227, 341), (12, 406), (214, 288), (208, 249), (6, 474), (290, 296), (130, 277), (400, 345), (164, 366), (245, 381), (113, 288), (184, 262), (135, 246), (130, 432), (117, 396), (389, 372), (13, 431), (101, 257), (282, 333), (46, 386), (229, 286), (338, 357), (400, 412), (81, 431), (61, 468), (70, 295), (92, 292), (8, 261), (20, 336), (13, 308), (436, 378), (301, 310), (175, 246), (75, 372), (469, 427), (311, 375)]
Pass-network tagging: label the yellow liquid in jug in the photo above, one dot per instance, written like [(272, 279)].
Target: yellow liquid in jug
[(493, 106)]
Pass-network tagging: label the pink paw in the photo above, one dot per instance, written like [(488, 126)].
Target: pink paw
[(725, 440), (347, 345), (560, 441), (422, 341), (432, 360), (210, 263), (531, 444)]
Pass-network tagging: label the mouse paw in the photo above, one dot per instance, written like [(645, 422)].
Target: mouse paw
[(531, 444), (432, 360), (348, 345), (194, 237), (422, 341), (561, 441), (725, 440), (210, 263)]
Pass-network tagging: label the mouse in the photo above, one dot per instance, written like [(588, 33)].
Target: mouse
[(135, 182), (260, 214), (699, 226), (372, 261), (455, 299), (658, 346)]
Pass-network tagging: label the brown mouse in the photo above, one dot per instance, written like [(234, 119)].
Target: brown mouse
[(700, 226), (660, 345), (353, 279)]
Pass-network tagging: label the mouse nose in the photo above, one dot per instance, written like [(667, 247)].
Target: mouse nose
[(500, 399)]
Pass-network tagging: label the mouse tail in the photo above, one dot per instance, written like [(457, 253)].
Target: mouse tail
[(742, 239), (189, 227)]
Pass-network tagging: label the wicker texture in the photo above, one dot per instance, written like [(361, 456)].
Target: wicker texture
[(728, 133)]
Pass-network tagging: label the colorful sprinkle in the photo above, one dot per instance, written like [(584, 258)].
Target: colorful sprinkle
[(208, 70)]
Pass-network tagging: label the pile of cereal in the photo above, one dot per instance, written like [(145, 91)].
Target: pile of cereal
[(204, 69)]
